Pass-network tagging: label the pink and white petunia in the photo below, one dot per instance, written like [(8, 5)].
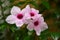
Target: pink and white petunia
[(37, 24), (17, 16), (31, 13)]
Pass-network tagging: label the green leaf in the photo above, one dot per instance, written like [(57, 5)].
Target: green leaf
[(0, 3), (20, 3), (46, 4), (3, 26), (27, 38), (13, 28), (44, 35), (11, 1), (55, 35)]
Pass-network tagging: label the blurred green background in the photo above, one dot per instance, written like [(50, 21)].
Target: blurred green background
[(51, 13)]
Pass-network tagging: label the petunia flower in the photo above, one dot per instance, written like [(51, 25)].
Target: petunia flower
[(17, 16), (31, 13), (37, 24)]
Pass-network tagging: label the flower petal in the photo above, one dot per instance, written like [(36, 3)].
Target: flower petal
[(15, 10), (30, 27), (38, 33), (26, 21), (26, 9), (34, 10), (39, 18), (38, 30), (27, 18), (19, 23), (44, 26), (11, 19)]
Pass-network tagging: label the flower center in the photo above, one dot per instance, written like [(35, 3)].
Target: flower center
[(36, 23), (32, 14), (19, 16)]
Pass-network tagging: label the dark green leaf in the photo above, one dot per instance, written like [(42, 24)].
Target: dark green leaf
[(46, 4)]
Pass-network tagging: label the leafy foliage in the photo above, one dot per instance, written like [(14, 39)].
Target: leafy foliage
[(50, 9)]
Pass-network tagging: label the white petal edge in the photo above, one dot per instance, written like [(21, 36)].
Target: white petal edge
[(30, 27), (11, 19), (44, 26), (15, 10), (26, 9), (19, 23), (38, 30), (38, 33), (34, 10)]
